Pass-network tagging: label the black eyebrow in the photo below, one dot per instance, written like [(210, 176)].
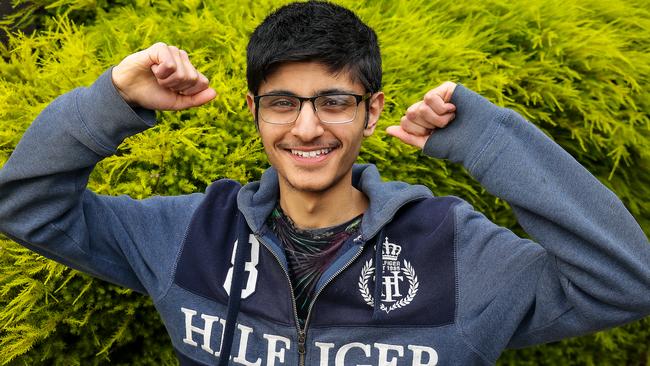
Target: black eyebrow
[(281, 91), (320, 92), (336, 91)]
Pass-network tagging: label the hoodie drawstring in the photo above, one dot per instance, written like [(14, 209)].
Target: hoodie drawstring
[(235, 290), (379, 264)]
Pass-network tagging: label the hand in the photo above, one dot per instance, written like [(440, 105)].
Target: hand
[(161, 78), (423, 117)]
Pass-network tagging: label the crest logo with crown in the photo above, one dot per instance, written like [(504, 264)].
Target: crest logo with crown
[(390, 251), (393, 274)]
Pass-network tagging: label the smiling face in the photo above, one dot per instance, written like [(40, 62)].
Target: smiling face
[(309, 155)]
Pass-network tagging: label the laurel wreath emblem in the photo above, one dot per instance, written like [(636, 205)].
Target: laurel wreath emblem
[(368, 270)]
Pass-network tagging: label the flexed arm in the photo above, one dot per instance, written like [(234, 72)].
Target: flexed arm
[(44, 203), (588, 267)]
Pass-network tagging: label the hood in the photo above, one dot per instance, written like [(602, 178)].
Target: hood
[(256, 200)]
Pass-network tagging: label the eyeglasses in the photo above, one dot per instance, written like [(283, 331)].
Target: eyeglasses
[(283, 109)]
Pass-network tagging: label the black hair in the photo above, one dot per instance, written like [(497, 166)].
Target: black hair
[(314, 31)]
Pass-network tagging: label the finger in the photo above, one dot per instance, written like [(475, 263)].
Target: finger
[(448, 88), (444, 120), (422, 115), (414, 115), (179, 78), (163, 64), (189, 101), (426, 117), (201, 84), (413, 128), (176, 80), (413, 140), (192, 76), (435, 100)]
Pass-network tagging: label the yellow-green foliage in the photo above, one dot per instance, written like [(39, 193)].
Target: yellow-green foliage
[(579, 69)]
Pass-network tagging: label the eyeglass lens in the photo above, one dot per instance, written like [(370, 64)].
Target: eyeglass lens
[(329, 108)]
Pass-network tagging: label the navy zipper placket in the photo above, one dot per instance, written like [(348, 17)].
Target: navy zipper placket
[(345, 266), (301, 334)]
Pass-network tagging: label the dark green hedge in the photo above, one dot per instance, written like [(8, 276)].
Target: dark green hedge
[(579, 69)]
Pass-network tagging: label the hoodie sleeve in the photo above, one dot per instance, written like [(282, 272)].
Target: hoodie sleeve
[(45, 206), (588, 267)]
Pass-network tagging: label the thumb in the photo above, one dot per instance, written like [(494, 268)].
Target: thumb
[(413, 140)]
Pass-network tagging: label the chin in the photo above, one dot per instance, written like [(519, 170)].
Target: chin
[(311, 186), (313, 182)]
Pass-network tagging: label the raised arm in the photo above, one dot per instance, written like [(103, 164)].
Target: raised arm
[(44, 204), (589, 267)]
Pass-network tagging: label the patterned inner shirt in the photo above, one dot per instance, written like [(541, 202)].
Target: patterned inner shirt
[(309, 252)]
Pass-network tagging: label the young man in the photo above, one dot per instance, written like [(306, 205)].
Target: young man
[(321, 262)]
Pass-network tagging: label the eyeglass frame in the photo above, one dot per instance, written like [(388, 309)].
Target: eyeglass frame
[(359, 98)]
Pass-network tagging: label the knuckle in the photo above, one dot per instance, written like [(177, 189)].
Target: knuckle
[(413, 109), (410, 108), (167, 67), (423, 109), (411, 114)]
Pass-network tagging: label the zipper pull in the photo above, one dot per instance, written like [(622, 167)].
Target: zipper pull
[(301, 346)]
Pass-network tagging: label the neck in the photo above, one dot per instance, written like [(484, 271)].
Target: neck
[(311, 210)]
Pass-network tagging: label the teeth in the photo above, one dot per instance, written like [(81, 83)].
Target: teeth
[(310, 154)]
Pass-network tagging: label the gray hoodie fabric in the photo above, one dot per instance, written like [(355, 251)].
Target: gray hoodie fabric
[(455, 288)]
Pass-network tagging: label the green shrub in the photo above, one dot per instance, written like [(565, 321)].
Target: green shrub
[(579, 69)]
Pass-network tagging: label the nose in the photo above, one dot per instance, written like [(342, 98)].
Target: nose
[(307, 126)]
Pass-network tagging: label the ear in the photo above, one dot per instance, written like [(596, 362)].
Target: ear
[(251, 103), (374, 111), (251, 107)]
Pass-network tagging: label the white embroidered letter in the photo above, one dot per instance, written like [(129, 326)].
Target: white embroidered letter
[(206, 331), (324, 352), (340, 355), (417, 355), (243, 344), (272, 353), (383, 354)]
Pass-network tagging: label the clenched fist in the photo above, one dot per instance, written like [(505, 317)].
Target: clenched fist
[(161, 78), (423, 117)]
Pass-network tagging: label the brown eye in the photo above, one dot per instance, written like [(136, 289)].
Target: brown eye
[(335, 101), (278, 102)]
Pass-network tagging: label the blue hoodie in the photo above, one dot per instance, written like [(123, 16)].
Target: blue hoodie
[(455, 288)]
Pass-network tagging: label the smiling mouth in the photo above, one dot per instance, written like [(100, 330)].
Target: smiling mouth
[(311, 153)]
